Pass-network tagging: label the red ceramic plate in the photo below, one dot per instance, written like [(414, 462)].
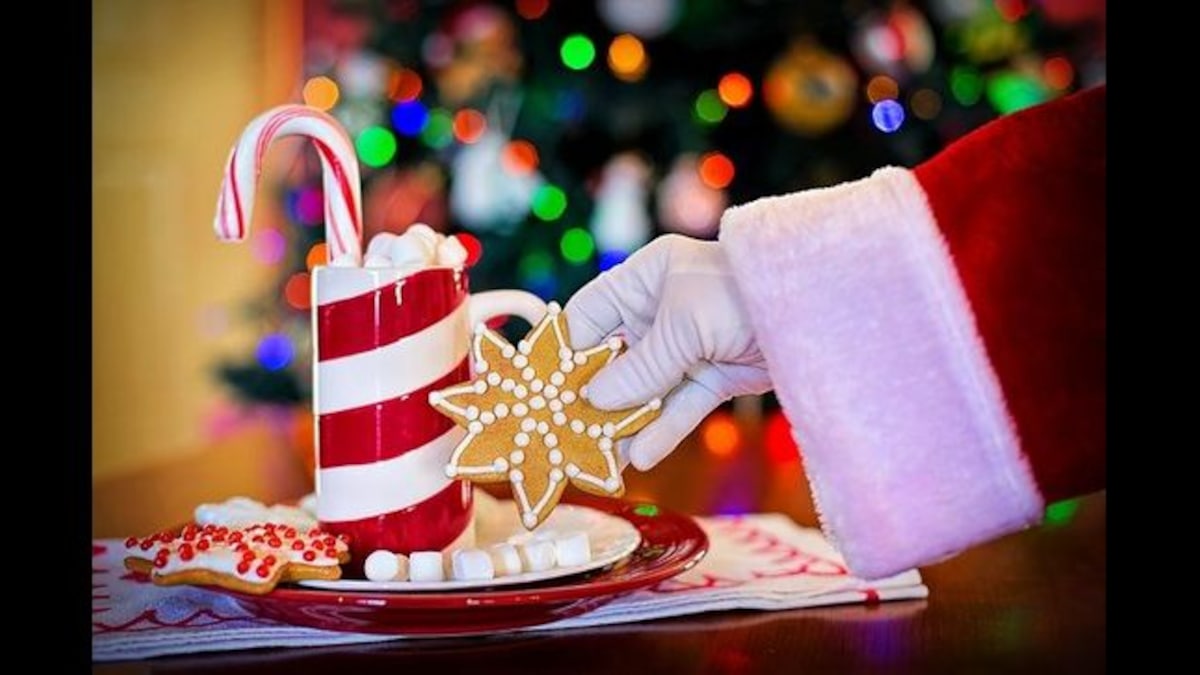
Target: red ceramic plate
[(671, 543)]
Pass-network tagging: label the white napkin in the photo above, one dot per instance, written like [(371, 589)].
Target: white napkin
[(762, 561)]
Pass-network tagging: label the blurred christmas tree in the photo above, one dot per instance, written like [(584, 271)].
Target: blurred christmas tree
[(564, 135)]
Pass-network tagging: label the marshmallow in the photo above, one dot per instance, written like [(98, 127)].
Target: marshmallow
[(380, 244), (505, 559), (573, 549), (411, 251), (451, 253), (386, 566), (375, 261), (538, 556), (426, 566), (425, 232), (470, 564)]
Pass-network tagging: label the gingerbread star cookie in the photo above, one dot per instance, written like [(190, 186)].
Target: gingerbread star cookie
[(527, 421)]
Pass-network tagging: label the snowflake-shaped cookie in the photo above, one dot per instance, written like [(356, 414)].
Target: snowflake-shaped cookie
[(527, 421)]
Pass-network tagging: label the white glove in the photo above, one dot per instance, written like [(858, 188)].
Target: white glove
[(676, 303)]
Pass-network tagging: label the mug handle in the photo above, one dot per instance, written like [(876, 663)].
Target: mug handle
[(491, 304)]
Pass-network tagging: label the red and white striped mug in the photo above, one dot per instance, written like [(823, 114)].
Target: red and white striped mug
[(383, 340)]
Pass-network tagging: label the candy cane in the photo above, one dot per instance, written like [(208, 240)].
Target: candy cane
[(343, 190)]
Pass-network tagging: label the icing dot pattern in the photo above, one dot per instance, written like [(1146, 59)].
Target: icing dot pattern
[(558, 437)]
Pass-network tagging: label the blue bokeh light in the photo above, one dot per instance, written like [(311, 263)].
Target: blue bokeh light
[(887, 115), (275, 351), (409, 117), (609, 259)]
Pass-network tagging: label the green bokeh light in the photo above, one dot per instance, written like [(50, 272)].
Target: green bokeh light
[(1009, 92), (535, 265), (966, 85), (1061, 513), (648, 510), (577, 52), (439, 129), (376, 146), (710, 109), (577, 245), (549, 202)]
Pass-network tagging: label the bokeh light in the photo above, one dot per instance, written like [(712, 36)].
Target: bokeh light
[(577, 245), (577, 51), (376, 146), (472, 245), (439, 129), (520, 157), (1011, 91), (297, 291), (926, 104), (269, 245), (404, 85), (887, 116), (536, 271), (716, 170), (1061, 513), (409, 117), (549, 202), (275, 351), (966, 85), (532, 9), (709, 107), (778, 443), (469, 125), (308, 205), (882, 87), (720, 435), (627, 58), (735, 90), (321, 92), (317, 255), (1011, 10), (610, 259), (1058, 72)]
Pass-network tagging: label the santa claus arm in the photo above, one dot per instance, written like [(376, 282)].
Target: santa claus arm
[(937, 336)]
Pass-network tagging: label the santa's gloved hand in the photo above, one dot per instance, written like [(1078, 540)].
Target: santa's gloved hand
[(676, 303)]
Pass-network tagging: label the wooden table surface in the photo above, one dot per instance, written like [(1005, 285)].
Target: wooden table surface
[(1030, 602)]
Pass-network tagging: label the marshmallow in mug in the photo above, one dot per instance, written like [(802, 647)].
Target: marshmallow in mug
[(419, 247)]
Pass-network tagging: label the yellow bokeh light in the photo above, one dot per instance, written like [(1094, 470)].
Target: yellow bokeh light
[(627, 58), (321, 93)]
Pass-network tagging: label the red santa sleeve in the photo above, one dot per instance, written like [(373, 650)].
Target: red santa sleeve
[(937, 336)]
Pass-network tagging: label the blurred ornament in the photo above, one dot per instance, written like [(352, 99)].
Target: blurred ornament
[(298, 291), (397, 198), (577, 246), (621, 219), (809, 90), (644, 18), (1058, 72), (987, 37), (549, 202), (376, 146), (269, 245), (363, 75), (716, 170), (484, 195), (898, 42), (476, 48), (404, 85), (577, 51), (1072, 12), (1011, 90), (926, 104), (952, 11), (532, 9), (685, 204), (882, 87), (709, 108)]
